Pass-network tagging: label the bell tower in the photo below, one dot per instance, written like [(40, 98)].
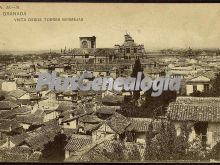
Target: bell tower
[(87, 42)]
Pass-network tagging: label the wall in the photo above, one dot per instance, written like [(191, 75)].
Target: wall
[(8, 144), (25, 126), (72, 124), (177, 125), (9, 86), (59, 69), (50, 116), (189, 88), (140, 137), (25, 96), (67, 154), (102, 132), (213, 132)]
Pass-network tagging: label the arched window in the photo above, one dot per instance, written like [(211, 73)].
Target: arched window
[(84, 44)]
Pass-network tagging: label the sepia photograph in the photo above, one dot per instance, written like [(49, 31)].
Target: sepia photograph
[(107, 82)]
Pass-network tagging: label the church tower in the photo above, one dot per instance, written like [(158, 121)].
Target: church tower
[(87, 42)]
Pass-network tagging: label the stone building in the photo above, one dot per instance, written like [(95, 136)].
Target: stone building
[(129, 49), (87, 42), (201, 114)]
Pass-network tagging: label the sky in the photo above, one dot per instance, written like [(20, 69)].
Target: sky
[(157, 26)]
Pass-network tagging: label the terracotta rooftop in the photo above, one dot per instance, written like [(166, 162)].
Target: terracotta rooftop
[(77, 142), (191, 112), (6, 105)]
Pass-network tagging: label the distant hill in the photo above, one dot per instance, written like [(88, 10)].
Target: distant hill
[(27, 52)]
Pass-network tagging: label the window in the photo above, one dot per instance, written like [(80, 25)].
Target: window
[(85, 44), (201, 129), (127, 50), (194, 88), (135, 50), (206, 87)]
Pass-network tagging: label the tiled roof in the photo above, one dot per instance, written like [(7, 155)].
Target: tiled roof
[(109, 110), (17, 93), (69, 131), (142, 124), (48, 111), (90, 127), (7, 124), (20, 149), (39, 137), (87, 93), (34, 157), (109, 99), (93, 155), (30, 119), (77, 142), (66, 114), (22, 110), (14, 157), (17, 111), (92, 51), (104, 52), (29, 82), (16, 154), (25, 81), (71, 118), (118, 123), (18, 139), (90, 119), (190, 112), (7, 105), (198, 100), (97, 154)]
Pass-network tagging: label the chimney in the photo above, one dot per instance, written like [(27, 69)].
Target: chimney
[(60, 120), (95, 107), (9, 141), (62, 131), (10, 128), (71, 115)]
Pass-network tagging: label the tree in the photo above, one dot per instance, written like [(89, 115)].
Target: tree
[(148, 140), (215, 152), (166, 145), (137, 68), (195, 150), (118, 153), (153, 103), (134, 154), (54, 150), (216, 86)]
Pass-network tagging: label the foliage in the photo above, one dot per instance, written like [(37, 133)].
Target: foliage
[(216, 86), (134, 154), (215, 152), (195, 150), (120, 153), (167, 146), (152, 103), (148, 149), (54, 150), (137, 68)]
